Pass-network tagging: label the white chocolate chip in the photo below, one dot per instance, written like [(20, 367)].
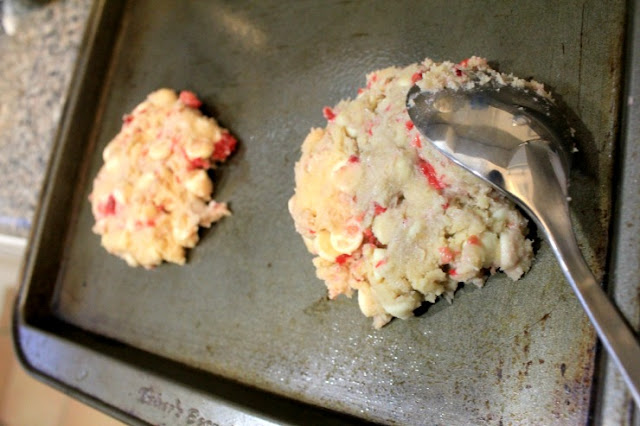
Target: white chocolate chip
[(145, 181), (402, 169), (345, 175), (199, 148), (414, 229), (383, 227), (508, 255), (112, 164), (162, 97), (346, 243), (119, 196), (198, 183), (160, 150), (323, 247), (398, 305), (489, 244), (368, 304)]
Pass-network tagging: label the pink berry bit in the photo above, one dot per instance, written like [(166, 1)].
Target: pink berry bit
[(430, 173), (446, 255), (199, 163), (328, 113), (371, 80), (224, 147), (368, 127), (190, 99), (474, 240), (416, 142), (369, 238), (378, 209), (108, 208)]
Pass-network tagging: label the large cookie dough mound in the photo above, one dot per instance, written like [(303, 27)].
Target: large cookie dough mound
[(388, 215), (153, 190)]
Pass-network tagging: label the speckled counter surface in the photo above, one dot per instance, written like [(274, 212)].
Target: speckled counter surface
[(37, 65)]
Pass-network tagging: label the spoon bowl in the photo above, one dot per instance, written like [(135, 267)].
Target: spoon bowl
[(519, 142)]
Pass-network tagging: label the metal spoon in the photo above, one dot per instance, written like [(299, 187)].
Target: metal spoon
[(516, 140)]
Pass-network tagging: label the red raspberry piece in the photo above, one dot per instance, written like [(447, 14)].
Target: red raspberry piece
[(368, 126), (378, 209), (369, 238), (371, 80), (108, 208), (199, 163), (224, 147), (430, 173), (416, 142), (328, 113), (474, 240), (190, 99), (340, 260), (380, 263), (446, 255)]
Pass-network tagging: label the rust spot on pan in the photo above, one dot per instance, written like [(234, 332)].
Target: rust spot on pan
[(576, 375)]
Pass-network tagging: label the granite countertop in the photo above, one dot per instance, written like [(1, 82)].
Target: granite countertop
[(37, 59)]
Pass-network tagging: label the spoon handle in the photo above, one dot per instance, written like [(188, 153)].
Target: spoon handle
[(616, 336)]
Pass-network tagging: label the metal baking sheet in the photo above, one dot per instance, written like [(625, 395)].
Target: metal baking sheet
[(244, 332)]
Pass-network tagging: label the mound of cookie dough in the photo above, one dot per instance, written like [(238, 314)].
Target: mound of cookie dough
[(153, 191), (386, 214)]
